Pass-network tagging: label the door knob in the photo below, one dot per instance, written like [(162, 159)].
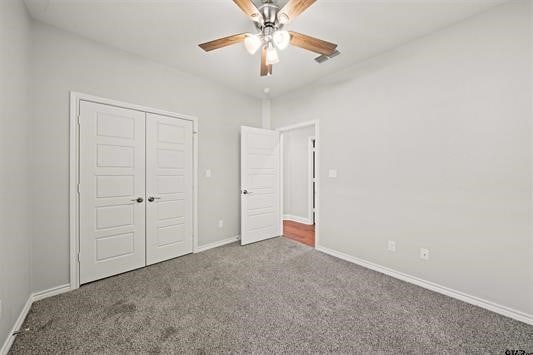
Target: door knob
[(152, 198), (246, 192), (138, 200)]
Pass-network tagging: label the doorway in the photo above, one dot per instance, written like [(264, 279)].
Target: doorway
[(299, 182), (263, 209)]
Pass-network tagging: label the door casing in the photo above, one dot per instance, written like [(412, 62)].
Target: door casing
[(311, 178), (314, 123), (75, 98)]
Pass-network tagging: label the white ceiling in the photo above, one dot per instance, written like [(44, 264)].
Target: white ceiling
[(169, 31)]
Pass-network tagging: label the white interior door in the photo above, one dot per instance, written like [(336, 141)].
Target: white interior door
[(112, 190), (169, 188), (260, 184)]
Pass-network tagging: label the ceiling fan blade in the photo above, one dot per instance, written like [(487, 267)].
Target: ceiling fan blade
[(312, 44), (292, 9), (222, 42), (248, 7), (265, 68)]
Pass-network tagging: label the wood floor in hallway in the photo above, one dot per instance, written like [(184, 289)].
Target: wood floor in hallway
[(303, 233)]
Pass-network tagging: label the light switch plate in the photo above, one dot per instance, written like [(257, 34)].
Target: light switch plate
[(207, 173), (332, 173)]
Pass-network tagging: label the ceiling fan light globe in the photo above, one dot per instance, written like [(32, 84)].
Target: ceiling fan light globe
[(281, 39), (272, 56), (252, 43)]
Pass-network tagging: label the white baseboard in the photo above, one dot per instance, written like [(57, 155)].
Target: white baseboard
[(34, 297), (217, 244), (491, 306), (18, 324), (298, 219), (37, 296)]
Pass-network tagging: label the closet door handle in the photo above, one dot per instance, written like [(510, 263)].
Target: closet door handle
[(152, 198), (138, 200)]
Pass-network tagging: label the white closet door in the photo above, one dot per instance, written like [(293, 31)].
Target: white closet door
[(169, 188), (112, 190)]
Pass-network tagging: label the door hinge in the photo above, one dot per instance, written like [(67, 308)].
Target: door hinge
[(78, 188), (78, 257)]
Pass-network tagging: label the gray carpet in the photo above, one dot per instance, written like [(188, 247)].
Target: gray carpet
[(275, 296)]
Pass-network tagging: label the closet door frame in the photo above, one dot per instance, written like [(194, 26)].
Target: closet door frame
[(74, 155)]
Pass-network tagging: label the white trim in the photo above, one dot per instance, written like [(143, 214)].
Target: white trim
[(298, 219), (18, 324), (75, 98), (297, 125), (217, 244), (281, 181), (37, 296), (34, 297), (476, 301), (195, 185), (310, 179), (73, 190), (316, 124)]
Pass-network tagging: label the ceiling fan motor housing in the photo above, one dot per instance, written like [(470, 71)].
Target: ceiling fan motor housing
[(269, 12)]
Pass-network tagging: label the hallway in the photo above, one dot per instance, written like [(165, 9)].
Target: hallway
[(303, 233)]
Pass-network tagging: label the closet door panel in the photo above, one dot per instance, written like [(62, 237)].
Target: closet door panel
[(112, 190), (169, 188)]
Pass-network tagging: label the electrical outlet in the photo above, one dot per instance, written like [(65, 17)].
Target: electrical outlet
[(220, 223), (332, 173), (391, 246), (424, 254)]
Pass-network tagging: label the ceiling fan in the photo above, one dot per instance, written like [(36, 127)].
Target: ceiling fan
[(269, 20)]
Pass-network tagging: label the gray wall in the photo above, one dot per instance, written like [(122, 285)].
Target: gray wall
[(14, 178), (62, 62), (296, 172), (433, 147)]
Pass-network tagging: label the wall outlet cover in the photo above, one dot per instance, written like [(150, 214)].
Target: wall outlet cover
[(391, 246), (332, 173)]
